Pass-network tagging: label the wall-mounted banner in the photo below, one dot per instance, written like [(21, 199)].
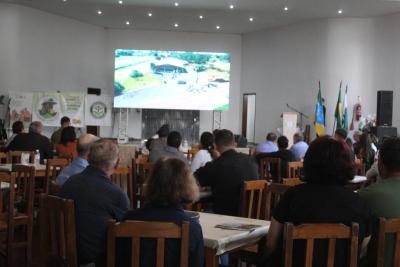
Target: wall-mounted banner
[(72, 106), (21, 108), (46, 108), (98, 110)]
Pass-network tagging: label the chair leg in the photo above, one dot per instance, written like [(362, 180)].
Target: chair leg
[(29, 245)]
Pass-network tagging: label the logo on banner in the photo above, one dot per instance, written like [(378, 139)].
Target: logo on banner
[(47, 108), (98, 110)]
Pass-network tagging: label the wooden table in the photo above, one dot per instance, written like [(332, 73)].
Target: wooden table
[(40, 169), (220, 241)]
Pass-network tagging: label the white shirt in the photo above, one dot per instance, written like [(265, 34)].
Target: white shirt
[(200, 159)]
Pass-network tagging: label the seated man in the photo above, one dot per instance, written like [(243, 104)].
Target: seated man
[(159, 141), (268, 146), (80, 163), (383, 197), (97, 200), (226, 174), (299, 147), (174, 140), (283, 153), (56, 136), (32, 141)]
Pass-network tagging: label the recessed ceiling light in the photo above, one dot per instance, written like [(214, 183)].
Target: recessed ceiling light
[(340, 11), (99, 12), (201, 17), (218, 27), (251, 19), (231, 6), (176, 4), (176, 25), (64, 1), (286, 8), (120, 2), (127, 22), (150, 14)]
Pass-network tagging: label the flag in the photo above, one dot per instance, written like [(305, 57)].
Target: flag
[(319, 124), (345, 112), (339, 109)]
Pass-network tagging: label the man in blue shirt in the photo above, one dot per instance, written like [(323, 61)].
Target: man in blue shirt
[(269, 146), (174, 140), (80, 163), (299, 147)]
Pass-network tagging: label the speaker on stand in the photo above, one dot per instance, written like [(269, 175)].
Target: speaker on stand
[(384, 115)]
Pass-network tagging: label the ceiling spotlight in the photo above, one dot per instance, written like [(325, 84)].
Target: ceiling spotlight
[(231, 6), (64, 1), (127, 22), (176, 25), (286, 8), (218, 27), (99, 12), (176, 4), (120, 2), (201, 17), (251, 19), (340, 11), (150, 14)]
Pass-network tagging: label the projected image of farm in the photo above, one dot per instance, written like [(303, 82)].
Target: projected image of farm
[(171, 80)]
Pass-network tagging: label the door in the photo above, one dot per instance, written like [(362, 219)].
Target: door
[(249, 117)]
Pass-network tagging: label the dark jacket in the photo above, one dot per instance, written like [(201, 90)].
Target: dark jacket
[(285, 155), (97, 200), (158, 213), (31, 142), (226, 175)]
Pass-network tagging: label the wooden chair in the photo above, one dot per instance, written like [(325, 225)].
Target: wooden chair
[(67, 156), (136, 230), (270, 169), (252, 191), (295, 169), (310, 232), (53, 168), (15, 156), (16, 218), (191, 153), (388, 226), (292, 181), (3, 158), (57, 232), (122, 177), (274, 191), (140, 171)]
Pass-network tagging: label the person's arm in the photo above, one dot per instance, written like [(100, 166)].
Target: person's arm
[(123, 207), (274, 234), (196, 245), (204, 174)]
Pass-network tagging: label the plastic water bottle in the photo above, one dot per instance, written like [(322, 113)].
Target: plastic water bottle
[(185, 145), (37, 157)]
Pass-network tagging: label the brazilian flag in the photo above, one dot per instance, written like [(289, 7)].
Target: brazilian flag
[(319, 124)]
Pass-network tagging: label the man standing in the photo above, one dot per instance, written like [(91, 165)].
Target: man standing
[(299, 147), (226, 174), (32, 141), (269, 146), (80, 163), (383, 197), (97, 200), (174, 140), (56, 136)]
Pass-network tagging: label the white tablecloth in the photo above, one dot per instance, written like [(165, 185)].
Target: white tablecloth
[(226, 240), (358, 179)]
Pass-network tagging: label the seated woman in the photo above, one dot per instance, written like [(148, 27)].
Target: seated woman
[(67, 145), (204, 155), (322, 199), (170, 185)]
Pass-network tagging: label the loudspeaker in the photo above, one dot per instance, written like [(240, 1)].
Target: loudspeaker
[(384, 110), (94, 91), (384, 131)]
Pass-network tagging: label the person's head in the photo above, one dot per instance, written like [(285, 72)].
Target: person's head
[(65, 122), (298, 137), (36, 127), (328, 162), (103, 154), (174, 139), (207, 141), (283, 142), (271, 137), (17, 127), (171, 183), (340, 134), (389, 157), (83, 145), (163, 131), (67, 135), (224, 140), (356, 136)]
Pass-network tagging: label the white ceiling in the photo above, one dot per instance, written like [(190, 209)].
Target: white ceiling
[(266, 13)]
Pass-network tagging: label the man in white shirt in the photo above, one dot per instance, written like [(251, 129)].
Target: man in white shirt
[(299, 147), (269, 146)]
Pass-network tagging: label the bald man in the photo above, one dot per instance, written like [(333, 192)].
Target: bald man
[(81, 162)]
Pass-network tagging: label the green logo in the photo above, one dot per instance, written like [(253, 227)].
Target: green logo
[(98, 110)]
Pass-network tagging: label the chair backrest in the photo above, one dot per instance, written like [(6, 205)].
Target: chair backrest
[(122, 177), (253, 191), (57, 231), (310, 232), (15, 156), (135, 230), (270, 169), (294, 169), (67, 156), (3, 158), (25, 188), (192, 152), (53, 168), (274, 191), (388, 226), (292, 181)]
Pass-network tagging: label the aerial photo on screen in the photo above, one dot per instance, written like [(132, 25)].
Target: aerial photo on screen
[(171, 80)]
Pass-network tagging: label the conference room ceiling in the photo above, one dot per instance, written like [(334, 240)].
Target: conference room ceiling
[(218, 16)]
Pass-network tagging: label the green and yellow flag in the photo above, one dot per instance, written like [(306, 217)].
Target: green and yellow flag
[(339, 109), (345, 112), (319, 123)]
